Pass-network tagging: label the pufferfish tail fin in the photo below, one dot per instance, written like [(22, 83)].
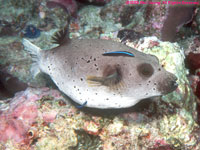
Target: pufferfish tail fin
[(35, 53)]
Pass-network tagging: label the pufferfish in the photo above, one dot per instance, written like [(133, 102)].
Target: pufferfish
[(101, 73)]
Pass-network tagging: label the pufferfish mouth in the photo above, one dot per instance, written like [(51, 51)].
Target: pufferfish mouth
[(169, 85)]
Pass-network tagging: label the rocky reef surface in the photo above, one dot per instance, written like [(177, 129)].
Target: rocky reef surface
[(40, 117)]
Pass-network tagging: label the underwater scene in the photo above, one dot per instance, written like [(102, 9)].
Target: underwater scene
[(99, 75)]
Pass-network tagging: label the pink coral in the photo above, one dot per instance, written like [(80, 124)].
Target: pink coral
[(49, 116), (23, 113), (11, 128), (16, 121)]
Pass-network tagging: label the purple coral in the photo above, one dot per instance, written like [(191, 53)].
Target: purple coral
[(176, 17)]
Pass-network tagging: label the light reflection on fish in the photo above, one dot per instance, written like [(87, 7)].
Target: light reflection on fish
[(102, 73)]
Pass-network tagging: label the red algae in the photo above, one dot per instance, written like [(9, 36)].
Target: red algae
[(197, 92), (193, 62)]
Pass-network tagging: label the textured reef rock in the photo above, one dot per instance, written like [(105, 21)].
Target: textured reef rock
[(169, 122), (193, 64), (69, 5), (54, 123)]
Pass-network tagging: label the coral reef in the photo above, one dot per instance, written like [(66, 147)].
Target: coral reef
[(168, 122), (94, 2), (70, 6), (192, 63), (176, 17), (9, 85)]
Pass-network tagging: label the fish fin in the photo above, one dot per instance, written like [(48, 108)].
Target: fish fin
[(35, 70), (118, 53), (111, 80), (60, 37), (31, 48), (34, 51), (94, 81)]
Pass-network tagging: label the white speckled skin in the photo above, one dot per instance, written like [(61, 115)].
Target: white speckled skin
[(70, 64)]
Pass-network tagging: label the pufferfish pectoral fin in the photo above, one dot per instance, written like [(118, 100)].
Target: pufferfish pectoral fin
[(111, 80)]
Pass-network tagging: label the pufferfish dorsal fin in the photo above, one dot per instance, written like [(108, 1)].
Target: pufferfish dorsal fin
[(61, 37), (118, 53), (112, 77)]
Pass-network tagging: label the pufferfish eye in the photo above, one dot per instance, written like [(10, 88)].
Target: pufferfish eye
[(145, 70)]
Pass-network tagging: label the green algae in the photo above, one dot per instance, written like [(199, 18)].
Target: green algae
[(87, 141)]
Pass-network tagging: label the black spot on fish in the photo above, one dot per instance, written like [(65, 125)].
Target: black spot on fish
[(49, 68), (94, 59), (74, 86), (97, 68), (159, 69), (96, 93), (88, 61), (154, 89), (81, 79), (155, 83), (107, 99), (95, 65)]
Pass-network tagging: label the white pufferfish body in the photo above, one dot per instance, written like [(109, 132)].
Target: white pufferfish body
[(87, 73)]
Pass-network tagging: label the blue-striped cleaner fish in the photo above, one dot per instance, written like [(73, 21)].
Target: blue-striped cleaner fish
[(101, 73)]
